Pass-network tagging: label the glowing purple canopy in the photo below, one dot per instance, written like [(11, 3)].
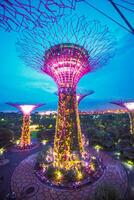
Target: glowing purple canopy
[(27, 14), (128, 105), (26, 108)]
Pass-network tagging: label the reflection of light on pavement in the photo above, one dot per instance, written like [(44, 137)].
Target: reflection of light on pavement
[(117, 154), (2, 151), (44, 142), (128, 166), (98, 147)]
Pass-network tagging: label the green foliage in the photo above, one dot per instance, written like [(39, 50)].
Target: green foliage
[(41, 158), (70, 176), (5, 137), (50, 173)]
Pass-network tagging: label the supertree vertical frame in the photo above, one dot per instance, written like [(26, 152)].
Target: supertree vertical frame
[(129, 106), (66, 52), (25, 139), (27, 14), (80, 96)]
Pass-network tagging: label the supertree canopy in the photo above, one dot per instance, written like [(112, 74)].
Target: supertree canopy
[(67, 51), (27, 14), (91, 35), (25, 140), (81, 96), (129, 106)]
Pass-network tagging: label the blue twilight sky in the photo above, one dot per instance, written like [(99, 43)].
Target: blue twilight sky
[(114, 81)]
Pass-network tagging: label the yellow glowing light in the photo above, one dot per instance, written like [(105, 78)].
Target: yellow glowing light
[(50, 126), (25, 135), (63, 156), (58, 175), (2, 151), (79, 175), (33, 127), (93, 157), (98, 147), (92, 167), (17, 142), (44, 142), (130, 162)]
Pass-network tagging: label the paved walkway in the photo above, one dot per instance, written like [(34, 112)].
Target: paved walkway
[(27, 186), (6, 171)]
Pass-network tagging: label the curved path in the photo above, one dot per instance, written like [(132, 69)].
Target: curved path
[(27, 186)]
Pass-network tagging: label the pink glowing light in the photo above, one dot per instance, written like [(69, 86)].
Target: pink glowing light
[(129, 105), (66, 63), (27, 109), (78, 97)]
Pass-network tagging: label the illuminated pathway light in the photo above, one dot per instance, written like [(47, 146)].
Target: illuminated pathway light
[(25, 134), (67, 51)]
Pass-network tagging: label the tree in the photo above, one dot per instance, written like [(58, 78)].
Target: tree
[(5, 136)]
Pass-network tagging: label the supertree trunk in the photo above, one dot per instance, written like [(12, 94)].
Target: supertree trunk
[(68, 137), (25, 134), (131, 117)]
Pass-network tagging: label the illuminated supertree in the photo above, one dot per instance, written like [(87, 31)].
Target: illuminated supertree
[(129, 106), (66, 52), (27, 14), (25, 139), (80, 96)]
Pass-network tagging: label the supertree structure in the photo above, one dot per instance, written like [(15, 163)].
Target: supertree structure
[(80, 96), (66, 52), (27, 14), (25, 139), (129, 106)]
